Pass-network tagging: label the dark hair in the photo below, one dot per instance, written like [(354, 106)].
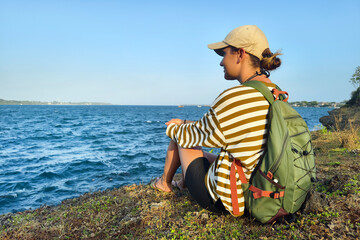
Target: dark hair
[(269, 62)]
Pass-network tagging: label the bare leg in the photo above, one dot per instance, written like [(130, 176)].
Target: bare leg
[(175, 157), (172, 163), (187, 155)]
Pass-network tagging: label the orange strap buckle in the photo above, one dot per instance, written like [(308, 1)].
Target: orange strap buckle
[(258, 193), (277, 93)]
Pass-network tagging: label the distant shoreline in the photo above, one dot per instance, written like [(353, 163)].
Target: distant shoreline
[(56, 103), (53, 103)]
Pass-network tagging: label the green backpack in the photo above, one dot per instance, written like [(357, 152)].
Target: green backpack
[(283, 176)]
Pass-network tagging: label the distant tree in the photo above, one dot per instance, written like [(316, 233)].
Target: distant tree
[(313, 103), (355, 98), (355, 79), (355, 95)]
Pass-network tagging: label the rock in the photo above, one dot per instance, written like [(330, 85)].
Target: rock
[(315, 202), (5, 220), (339, 119), (327, 121)]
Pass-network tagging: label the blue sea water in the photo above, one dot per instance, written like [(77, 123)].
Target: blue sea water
[(52, 153)]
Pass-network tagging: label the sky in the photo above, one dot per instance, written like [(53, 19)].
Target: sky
[(155, 52)]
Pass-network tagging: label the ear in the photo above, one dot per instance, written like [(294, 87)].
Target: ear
[(241, 53)]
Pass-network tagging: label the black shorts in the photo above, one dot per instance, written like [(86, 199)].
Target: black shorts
[(195, 182)]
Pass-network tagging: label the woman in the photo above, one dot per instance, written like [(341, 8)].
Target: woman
[(236, 123)]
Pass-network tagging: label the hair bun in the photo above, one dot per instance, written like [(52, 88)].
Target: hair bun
[(270, 60)]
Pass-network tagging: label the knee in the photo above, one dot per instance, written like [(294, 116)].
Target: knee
[(173, 145)]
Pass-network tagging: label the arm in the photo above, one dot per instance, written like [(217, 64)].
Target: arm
[(205, 132), (178, 121)]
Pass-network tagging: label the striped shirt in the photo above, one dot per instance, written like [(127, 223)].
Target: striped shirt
[(236, 123)]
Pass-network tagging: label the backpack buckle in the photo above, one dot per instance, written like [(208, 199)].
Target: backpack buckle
[(275, 195), (277, 93)]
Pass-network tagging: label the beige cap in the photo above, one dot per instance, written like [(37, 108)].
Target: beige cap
[(248, 37)]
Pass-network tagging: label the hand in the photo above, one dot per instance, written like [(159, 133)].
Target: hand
[(175, 120)]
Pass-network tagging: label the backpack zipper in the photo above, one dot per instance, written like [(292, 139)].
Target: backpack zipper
[(298, 134), (292, 117), (277, 163)]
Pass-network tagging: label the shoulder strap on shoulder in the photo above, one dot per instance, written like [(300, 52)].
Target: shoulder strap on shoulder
[(261, 87)]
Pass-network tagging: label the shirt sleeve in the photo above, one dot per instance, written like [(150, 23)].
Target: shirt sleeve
[(206, 132)]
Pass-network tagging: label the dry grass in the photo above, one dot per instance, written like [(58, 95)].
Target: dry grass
[(344, 124), (348, 136), (140, 212)]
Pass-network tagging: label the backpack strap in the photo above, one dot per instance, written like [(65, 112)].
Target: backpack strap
[(264, 90), (269, 95), (236, 167)]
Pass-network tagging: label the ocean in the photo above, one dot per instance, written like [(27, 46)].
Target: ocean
[(52, 153)]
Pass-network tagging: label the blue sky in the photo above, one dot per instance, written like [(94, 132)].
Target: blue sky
[(155, 52)]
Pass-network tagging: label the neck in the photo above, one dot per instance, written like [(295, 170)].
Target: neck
[(262, 78), (258, 76), (247, 71)]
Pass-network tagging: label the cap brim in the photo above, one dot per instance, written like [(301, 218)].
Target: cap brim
[(217, 45)]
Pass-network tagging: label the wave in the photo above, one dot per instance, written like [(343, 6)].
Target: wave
[(9, 196), (48, 175)]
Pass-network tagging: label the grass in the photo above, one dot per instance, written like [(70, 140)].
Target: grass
[(346, 131), (140, 212)]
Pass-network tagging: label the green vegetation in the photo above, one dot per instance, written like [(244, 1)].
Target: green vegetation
[(355, 98), (355, 78), (355, 95)]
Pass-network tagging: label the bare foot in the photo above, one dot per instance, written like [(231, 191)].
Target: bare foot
[(161, 185)]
